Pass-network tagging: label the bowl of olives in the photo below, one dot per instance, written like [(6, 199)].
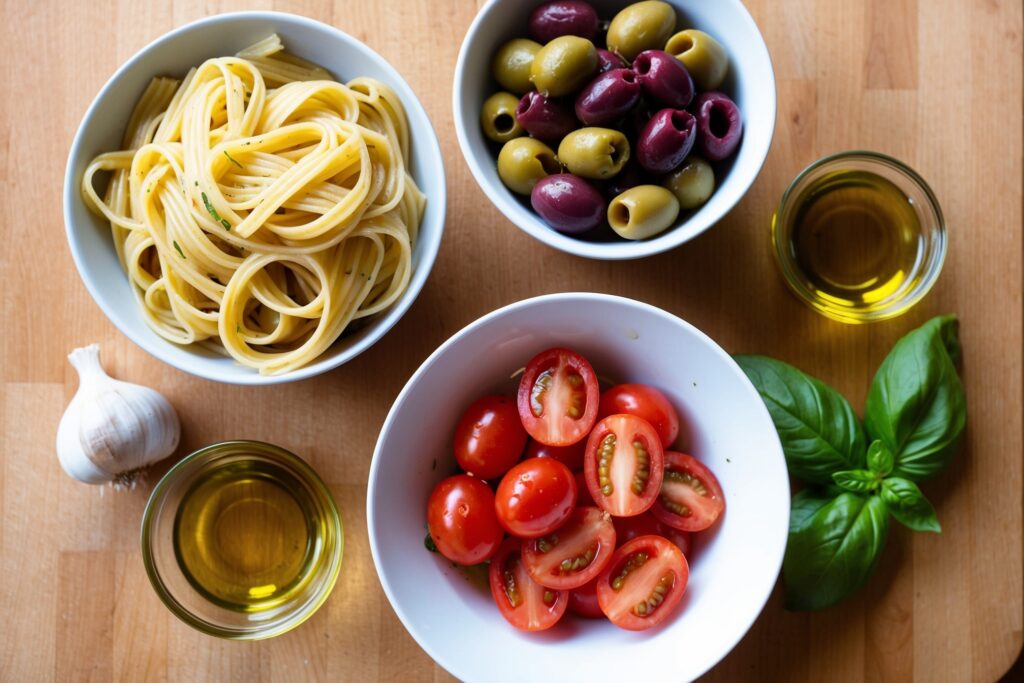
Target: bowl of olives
[(614, 130)]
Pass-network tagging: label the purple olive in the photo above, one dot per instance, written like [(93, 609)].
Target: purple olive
[(568, 203), (545, 118), (608, 98), (637, 119), (563, 18), (664, 78), (608, 60), (666, 140), (719, 126)]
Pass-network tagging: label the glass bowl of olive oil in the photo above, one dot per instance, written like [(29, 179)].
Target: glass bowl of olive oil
[(242, 540), (859, 236)]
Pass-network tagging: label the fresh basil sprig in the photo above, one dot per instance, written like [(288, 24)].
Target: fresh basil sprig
[(916, 411)]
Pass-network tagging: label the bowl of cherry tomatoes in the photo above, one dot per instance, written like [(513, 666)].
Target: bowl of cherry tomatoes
[(572, 475)]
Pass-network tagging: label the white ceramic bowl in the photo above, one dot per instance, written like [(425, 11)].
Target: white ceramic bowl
[(751, 83), (173, 54), (733, 565)]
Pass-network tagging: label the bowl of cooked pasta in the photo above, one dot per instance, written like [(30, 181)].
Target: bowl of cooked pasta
[(255, 198)]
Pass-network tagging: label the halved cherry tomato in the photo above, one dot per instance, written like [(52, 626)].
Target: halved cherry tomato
[(691, 498), (643, 583), (462, 521), (583, 601), (573, 554), (628, 528), (570, 456), (583, 496), (535, 497), (558, 397), (624, 465), (489, 437), (643, 401), (525, 604)]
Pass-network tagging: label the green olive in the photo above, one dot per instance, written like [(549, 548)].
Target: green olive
[(703, 56), (564, 66), (524, 161), (498, 117), (641, 26), (511, 65), (643, 211), (594, 153), (692, 183)]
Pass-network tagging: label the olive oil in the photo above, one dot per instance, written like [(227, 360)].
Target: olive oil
[(856, 239), (247, 536)]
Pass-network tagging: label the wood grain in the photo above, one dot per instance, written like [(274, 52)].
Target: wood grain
[(936, 83)]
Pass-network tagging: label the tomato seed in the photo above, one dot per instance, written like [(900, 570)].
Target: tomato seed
[(546, 543), (540, 387), (656, 597), (575, 409), (604, 463), (634, 562), (688, 479), (579, 562), (511, 587), (643, 471), (676, 508)]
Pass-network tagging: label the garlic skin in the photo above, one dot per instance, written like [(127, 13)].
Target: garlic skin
[(112, 429)]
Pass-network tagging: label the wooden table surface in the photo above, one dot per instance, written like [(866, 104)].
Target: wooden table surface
[(934, 82)]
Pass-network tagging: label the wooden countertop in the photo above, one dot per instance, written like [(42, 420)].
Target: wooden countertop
[(936, 83)]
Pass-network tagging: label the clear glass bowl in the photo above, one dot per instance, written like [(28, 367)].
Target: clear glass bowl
[(931, 244), (196, 607)]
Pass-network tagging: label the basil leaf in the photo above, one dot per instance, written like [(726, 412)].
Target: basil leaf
[(880, 458), (804, 505), (819, 431), (858, 481), (916, 405), (909, 506), (948, 336), (833, 552)]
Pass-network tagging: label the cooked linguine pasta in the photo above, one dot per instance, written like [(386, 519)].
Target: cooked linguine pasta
[(259, 207)]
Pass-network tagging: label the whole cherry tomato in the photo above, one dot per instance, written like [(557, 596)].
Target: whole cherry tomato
[(535, 497)]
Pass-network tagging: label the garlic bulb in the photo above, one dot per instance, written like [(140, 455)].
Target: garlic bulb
[(112, 429)]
